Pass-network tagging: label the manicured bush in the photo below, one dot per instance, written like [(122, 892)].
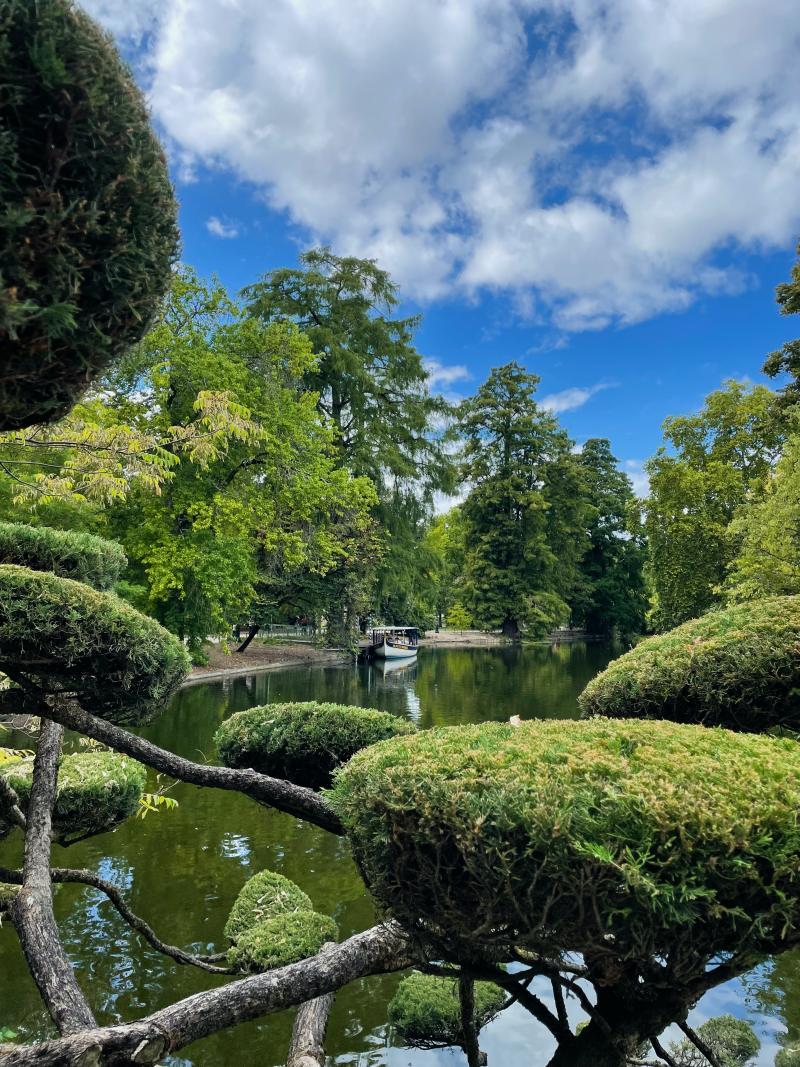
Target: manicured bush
[(88, 228), (426, 1012), (303, 743), (282, 940), (96, 790), (264, 896), (737, 667), (788, 1057), (69, 554), (67, 637), (601, 837)]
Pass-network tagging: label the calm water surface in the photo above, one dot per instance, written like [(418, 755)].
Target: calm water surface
[(182, 870)]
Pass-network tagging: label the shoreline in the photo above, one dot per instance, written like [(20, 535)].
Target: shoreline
[(259, 658)]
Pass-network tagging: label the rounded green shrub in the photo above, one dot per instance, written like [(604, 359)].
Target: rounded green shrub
[(88, 230), (96, 791), (303, 743), (599, 837), (426, 1011), (80, 556), (66, 637), (264, 896), (788, 1057), (737, 667), (732, 1041), (282, 940)]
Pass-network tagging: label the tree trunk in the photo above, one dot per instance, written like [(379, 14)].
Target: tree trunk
[(469, 1028), (511, 629), (307, 1048), (251, 633)]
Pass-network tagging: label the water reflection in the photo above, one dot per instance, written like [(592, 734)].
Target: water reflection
[(182, 870)]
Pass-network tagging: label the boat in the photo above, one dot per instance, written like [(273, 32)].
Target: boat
[(394, 642)]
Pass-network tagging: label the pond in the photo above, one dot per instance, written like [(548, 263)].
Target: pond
[(182, 869)]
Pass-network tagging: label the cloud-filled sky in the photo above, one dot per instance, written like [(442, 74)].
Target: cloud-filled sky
[(605, 190)]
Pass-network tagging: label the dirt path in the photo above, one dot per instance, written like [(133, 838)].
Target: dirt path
[(259, 657), (462, 639)]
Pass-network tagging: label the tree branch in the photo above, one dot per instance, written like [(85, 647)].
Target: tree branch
[(32, 908), (307, 1047), (9, 801), (662, 1053), (272, 792), (84, 877), (699, 1044), (376, 951)]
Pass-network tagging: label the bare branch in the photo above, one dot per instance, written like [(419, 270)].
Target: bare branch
[(272, 792), (84, 877), (701, 1046), (307, 1047)]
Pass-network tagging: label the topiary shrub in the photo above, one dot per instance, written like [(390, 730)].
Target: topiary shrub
[(88, 229), (623, 839), (96, 791), (426, 1011), (280, 941), (66, 637), (264, 896), (80, 556), (737, 667), (303, 743)]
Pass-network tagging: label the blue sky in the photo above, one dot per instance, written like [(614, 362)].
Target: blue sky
[(604, 191)]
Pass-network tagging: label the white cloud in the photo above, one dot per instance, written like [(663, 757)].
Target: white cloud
[(634, 468), (600, 163), (219, 228), (569, 399), (443, 374)]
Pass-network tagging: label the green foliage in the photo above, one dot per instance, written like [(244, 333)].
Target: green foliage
[(786, 360), (88, 227), (372, 388), (736, 667), (267, 524), (621, 840), (611, 596), (69, 554), (95, 792), (458, 618), (711, 466), (69, 638), (285, 939), (767, 561), (304, 743), (265, 896), (732, 1041), (788, 1057), (524, 520), (426, 1011)]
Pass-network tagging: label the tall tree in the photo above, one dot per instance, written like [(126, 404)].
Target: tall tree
[(711, 465), (524, 517), (612, 597), (786, 359), (372, 387)]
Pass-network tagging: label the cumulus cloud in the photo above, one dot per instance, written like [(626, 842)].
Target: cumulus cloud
[(599, 163), (220, 228), (569, 399), (443, 375)]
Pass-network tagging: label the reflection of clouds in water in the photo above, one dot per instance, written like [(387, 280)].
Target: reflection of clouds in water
[(413, 706), (235, 847)]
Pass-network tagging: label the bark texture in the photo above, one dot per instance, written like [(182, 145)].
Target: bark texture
[(376, 951), (32, 909), (307, 1048)]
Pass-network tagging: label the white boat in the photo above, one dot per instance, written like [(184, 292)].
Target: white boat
[(394, 642)]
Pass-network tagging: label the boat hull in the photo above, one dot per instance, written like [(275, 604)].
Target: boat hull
[(384, 651)]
